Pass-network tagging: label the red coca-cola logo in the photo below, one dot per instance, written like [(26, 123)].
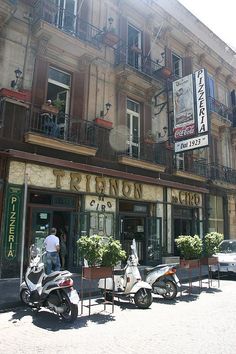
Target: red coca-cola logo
[(183, 132)]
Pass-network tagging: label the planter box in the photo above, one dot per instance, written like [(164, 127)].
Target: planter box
[(110, 38), (24, 96), (97, 272), (190, 263), (49, 109), (103, 123), (209, 261)]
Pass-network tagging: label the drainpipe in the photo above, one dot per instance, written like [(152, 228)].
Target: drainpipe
[(23, 227)]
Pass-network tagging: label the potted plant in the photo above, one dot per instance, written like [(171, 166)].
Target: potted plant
[(100, 254), (48, 107), (150, 137), (190, 248), (109, 36), (210, 247)]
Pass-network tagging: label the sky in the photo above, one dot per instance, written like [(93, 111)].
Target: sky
[(218, 15)]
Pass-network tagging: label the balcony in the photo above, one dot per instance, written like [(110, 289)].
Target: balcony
[(200, 169), (138, 68), (140, 154), (64, 28), (221, 115), (7, 8), (61, 132)]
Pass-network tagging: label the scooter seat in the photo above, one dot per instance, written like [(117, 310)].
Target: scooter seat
[(118, 271)]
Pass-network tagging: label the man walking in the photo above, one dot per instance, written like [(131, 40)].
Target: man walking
[(52, 245)]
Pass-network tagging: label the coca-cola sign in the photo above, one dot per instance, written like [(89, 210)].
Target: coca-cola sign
[(183, 132)]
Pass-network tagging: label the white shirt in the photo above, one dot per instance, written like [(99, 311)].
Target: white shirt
[(51, 242)]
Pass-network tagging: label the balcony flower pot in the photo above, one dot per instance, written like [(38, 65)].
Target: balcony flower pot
[(49, 108), (110, 38), (208, 261), (103, 123), (23, 95)]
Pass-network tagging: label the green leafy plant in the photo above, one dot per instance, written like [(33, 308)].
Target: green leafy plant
[(190, 247), (59, 104), (112, 253), (211, 243), (90, 248), (99, 251)]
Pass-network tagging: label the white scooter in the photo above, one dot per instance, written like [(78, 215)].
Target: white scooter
[(163, 280), (128, 283), (54, 291)]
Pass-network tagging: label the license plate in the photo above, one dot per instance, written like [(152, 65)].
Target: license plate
[(74, 297)]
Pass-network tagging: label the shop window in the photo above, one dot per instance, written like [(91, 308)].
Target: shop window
[(40, 198), (216, 219), (97, 223)]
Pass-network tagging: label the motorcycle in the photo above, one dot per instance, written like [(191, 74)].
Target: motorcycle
[(128, 284), (54, 291), (163, 280)]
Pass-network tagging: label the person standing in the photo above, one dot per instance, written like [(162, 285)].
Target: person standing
[(52, 244), (63, 249)]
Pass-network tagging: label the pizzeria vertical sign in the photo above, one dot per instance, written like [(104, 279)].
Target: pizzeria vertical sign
[(191, 131), (12, 222)]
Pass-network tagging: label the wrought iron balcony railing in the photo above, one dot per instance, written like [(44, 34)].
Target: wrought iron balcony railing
[(63, 127), (221, 109), (67, 21), (155, 153), (135, 59), (211, 171)]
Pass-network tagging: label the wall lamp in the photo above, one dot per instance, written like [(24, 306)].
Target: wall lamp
[(164, 134), (15, 83), (108, 106)]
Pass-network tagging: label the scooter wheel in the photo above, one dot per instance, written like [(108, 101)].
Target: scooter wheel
[(70, 313), (171, 290), (143, 298)]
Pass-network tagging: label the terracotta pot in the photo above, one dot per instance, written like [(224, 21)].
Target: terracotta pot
[(110, 38), (97, 272), (23, 95), (103, 122), (49, 108)]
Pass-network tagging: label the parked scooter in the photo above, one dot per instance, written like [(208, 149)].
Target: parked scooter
[(163, 280), (54, 291), (128, 283)]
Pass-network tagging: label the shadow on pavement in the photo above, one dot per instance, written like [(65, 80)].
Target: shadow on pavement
[(45, 319)]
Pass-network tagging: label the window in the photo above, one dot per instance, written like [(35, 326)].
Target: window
[(66, 15), (216, 220), (177, 65), (134, 47), (133, 124), (180, 161)]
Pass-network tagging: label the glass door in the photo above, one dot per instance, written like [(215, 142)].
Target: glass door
[(154, 244), (133, 124), (42, 221)]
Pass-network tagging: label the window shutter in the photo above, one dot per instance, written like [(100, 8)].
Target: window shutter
[(168, 58), (122, 99), (187, 66), (77, 97), (40, 82), (124, 37), (147, 121)]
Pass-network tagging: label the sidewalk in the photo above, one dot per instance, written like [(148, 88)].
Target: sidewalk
[(9, 288)]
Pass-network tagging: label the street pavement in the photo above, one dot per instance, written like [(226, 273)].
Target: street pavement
[(202, 321)]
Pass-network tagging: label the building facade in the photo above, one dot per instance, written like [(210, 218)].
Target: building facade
[(86, 127)]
